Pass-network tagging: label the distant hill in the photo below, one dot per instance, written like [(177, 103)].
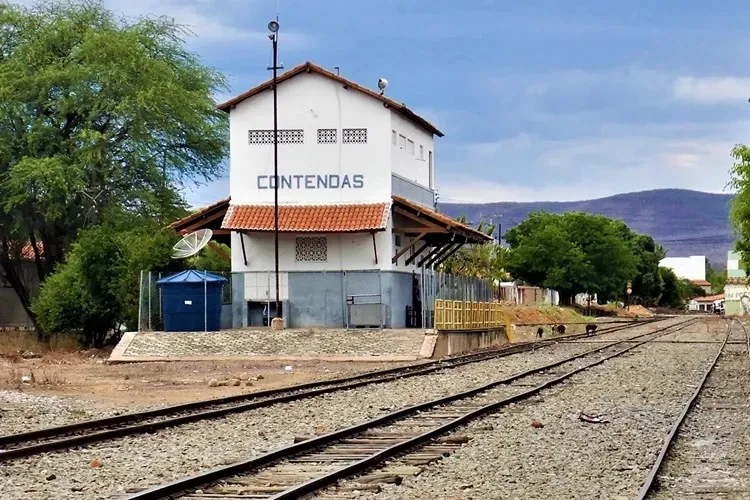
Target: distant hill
[(685, 222)]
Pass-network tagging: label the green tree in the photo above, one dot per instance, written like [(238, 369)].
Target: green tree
[(478, 261), (647, 282), (689, 290), (572, 253), (717, 278), (670, 296), (214, 258), (97, 288), (739, 213), (96, 112)]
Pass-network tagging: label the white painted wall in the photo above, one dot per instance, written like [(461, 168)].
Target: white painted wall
[(692, 268), (403, 162), (346, 252), (311, 102)]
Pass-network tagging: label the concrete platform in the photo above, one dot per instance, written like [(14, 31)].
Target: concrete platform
[(269, 345)]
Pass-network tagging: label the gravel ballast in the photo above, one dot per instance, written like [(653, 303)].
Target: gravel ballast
[(104, 469), (639, 393), (708, 457)]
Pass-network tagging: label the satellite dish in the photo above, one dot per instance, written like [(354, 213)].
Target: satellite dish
[(191, 244)]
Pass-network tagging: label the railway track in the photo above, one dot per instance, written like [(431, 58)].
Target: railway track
[(91, 431), (702, 456), (316, 462)]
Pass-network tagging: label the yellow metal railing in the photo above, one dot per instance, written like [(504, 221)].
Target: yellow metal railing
[(464, 315)]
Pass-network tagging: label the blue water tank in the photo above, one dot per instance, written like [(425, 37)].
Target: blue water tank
[(191, 301)]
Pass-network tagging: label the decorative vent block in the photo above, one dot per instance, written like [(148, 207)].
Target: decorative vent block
[(311, 249), (327, 136), (354, 136), (292, 136), (260, 136)]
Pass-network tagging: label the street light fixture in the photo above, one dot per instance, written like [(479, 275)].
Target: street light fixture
[(273, 27)]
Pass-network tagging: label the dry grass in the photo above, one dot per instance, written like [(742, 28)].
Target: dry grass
[(58, 350), (12, 377)]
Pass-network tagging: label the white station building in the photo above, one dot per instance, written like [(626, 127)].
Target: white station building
[(359, 233)]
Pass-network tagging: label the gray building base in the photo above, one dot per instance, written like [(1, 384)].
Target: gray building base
[(319, 299)]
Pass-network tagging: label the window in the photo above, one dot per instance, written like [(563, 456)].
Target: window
[(421, 152), (397, 240), (410, 150), (293, 136), (430, 173), (393, 137), (401, 141), (311, 249), (354, 136), (327, 135)]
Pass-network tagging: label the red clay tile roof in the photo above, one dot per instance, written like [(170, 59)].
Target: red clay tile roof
[(309, 67), (710, 298), (309, 218), (700, 282)]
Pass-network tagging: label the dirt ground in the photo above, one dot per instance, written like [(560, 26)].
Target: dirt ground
[(160, 383), (58, 369)]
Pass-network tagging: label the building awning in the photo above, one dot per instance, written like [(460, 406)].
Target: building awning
[(433, 237), (710, 298), (342, 218), (700, 282), (209, 217), (440, 226)]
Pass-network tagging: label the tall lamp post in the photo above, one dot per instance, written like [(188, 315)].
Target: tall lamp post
[(628, 291), (273, 26)]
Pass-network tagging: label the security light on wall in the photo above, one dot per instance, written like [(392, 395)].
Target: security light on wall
[(382, 84)]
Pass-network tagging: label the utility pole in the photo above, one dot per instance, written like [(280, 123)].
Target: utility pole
[(273, 26)]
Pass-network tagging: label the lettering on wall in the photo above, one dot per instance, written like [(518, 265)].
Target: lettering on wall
[(736, 293), (312, 181)]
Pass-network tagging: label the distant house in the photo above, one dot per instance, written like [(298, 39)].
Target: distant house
[(692, 268), (706, 304), (705, 285)]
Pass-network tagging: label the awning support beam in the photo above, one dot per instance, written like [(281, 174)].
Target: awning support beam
[(447, 256), (374, 246), (407, 247), (439, 254), (430, 255), (242, 242), (416, 254)]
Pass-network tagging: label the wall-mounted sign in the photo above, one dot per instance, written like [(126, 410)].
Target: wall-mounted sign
[(311, 181), (736, 292)]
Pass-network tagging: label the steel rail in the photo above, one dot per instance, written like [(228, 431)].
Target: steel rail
[(651, 482), (99, 431), (185, 485), (747, 336)]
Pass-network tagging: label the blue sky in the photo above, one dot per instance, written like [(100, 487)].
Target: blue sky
[(539, 100)]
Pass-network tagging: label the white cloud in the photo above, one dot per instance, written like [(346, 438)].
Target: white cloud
[(712, 89), (633, 158), (200, 18)]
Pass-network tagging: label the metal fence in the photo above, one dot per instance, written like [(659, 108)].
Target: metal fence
[(436, 285), (465, 315), (150, 311)]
